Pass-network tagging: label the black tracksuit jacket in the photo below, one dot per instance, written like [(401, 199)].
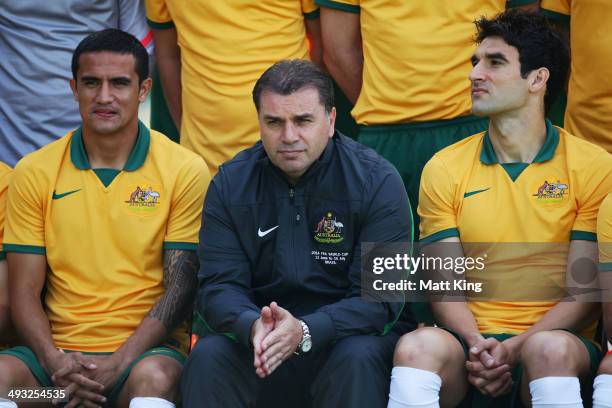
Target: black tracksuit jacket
[(264, 240)]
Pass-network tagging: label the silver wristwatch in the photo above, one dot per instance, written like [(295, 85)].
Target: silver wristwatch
[(306, 343)]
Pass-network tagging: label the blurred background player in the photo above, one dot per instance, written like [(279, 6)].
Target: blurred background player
[(589, 96), (404, 64), (37, 39), (209, 56)]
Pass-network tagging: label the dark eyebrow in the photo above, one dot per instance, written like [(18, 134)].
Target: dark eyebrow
[(89, 78), (303, 116), (271, 117), (497, 56), (121, 79)]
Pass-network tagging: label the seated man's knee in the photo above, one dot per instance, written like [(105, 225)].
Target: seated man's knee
[(155, 376), (14, 373), (549, 349), (606, 365), (422, 348)]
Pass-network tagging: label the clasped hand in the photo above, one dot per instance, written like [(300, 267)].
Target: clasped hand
[(275, 336), (490, 365), (86, 378)]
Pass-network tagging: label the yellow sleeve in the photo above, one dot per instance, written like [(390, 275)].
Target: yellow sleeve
[(352, 6), (604, 234), (592, 187), (25, 211), (187, 202), (158, 16), (556, 9), (5, 173), (436, 203)]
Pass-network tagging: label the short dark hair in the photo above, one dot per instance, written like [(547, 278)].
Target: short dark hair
[(538, 45), (113, 40), (289, 76)]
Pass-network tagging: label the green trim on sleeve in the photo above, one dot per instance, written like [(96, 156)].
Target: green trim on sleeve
[(447, 233), (160, 26), (2, 255), (605, 266), (338, 6), (313, 15), (583, 236), (553, 15), (25, 249), (185, 246), (518, 3)]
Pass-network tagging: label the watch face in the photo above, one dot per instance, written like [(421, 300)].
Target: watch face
[(306, 345)]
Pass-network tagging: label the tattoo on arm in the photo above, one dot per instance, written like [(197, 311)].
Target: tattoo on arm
[(180, 281)]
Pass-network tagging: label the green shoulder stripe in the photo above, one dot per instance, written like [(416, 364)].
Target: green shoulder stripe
[(160, 26), (338, 6), (25, 249)]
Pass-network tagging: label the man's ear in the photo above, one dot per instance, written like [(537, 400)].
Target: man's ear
[(538, 79), (332, 122), (145, 88), (73, 86)]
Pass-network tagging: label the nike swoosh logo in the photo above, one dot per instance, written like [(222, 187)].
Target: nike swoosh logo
[(264, 233), (62, 195), (471, 193)]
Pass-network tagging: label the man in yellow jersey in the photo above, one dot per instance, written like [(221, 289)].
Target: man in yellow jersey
[(602, 386), (106, 220), (589, 99), (404, 64), (523, 181), (210, 54), (5, 318)]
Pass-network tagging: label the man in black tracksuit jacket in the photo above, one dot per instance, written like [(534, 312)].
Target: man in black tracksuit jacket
[(280, 256)]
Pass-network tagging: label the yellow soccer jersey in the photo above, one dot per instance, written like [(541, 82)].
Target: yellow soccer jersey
[(5, 172), (589, 100), (225, 47), (465, 192), (103, 232), (416, 57), (604, 234)]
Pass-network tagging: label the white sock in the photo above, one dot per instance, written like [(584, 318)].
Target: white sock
[(550, 392), (150, 402), (412, 387), (4, 403), (602, 391)]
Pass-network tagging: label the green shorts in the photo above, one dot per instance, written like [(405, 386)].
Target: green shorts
[(475, 399), (26, 355)]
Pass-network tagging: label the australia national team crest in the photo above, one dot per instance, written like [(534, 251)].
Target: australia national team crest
[(143, 199), (329, 230), (550, 192)]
